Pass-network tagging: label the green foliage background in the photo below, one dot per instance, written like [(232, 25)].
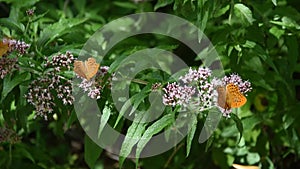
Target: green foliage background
[(257, 39)]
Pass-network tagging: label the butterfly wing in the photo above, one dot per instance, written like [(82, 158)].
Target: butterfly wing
[(222, 98), (3, 48), (80, 69), (234, 97), (92, 68)]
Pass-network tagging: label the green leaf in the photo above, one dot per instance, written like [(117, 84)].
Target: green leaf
[(133, 135), (122, 111), (287, 121), (9, 84), (24, 152), (155, 128), (249, 44), (20, 4), (57, 29), (238, 123), (276, 32), (128, 5), (136, 99), (23, 91), (292, 45), (71, 119), (250, 122), (12, 24), (274, 2), (162, 3), (212, 120), (104, 118), (222, 11), (253, 158), (80, 5), (287, 23), (255, 64), (191, 133), (91, 151), (209, 142), (139, 97), (116, 63), (243, 13)]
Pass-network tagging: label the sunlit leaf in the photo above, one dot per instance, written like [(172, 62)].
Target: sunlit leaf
[(155, 128), (191, 133), (133, 135), (243, 13), (162, 3), (104, 118)]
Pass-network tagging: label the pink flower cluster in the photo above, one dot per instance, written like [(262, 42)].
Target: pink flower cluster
[(199, 90), (177, 95), (94, 88), (7, 65), (244, 86), (8, 135), (43, 91), (16, 45), (60, 61)]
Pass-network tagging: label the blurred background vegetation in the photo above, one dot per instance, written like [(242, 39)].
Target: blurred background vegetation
[(257, 39)]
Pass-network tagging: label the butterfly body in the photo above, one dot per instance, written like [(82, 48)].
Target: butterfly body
[(86, 69), (230, 97)]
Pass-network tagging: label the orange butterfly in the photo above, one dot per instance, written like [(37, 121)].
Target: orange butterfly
[(86, 69), (4, 47), (231, 97)]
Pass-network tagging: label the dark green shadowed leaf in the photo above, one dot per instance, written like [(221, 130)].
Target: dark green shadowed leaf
[(57, 29), (209, 143), (10, 23), (72, 118), (80, 5), (128, 5), (162, 3), (291, 42), (238, 124), (9, 84), (91, 151)]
